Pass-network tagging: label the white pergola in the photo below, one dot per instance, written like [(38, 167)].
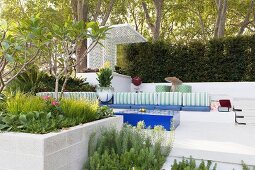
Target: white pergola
[(118, 34)]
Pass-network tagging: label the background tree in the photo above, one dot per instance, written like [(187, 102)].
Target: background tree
[(156, 25), (178, 21), (90, 10)]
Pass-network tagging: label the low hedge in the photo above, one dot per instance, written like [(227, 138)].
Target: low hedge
[(218, 60)]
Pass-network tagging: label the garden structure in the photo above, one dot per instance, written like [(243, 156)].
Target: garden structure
[(107, 50)]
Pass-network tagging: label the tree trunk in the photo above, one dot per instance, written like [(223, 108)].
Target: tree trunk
[(246, 21), (154, 27), (221, 18), (158, 5), (56, 87), (108, 12), (81, 58), (80, 9)]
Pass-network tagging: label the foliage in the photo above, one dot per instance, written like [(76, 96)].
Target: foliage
[(104, 77), (23, 103), (33, 114), (104, 111), (191, 165), (182, 21), (33, 81), (80, 111), (20, 45), (129, 148), (228, 59), (64, 42)]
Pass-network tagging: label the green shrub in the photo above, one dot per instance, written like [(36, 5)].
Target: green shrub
[(129, 148), (227, 59), (190, 164), (33, 81), (24, 103), (80, 111)]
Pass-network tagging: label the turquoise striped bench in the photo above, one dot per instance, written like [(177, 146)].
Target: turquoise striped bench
[(161, 100), (196, 102)]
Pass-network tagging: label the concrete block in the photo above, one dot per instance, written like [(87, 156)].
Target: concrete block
[(64, 150)]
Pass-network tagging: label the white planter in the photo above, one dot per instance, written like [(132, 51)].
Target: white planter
[(105, 93), (65, 150)]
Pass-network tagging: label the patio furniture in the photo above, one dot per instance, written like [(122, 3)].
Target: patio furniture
[(196, 102), (225, 105), (168, 119), (163, 101)]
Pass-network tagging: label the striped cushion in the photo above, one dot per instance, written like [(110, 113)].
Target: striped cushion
[(169, 98), (124, 98), (146, 98), (74, 95), (162, 88), (184, 88), (196, 99)]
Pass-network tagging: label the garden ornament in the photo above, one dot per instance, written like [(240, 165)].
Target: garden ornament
[(175, 82)]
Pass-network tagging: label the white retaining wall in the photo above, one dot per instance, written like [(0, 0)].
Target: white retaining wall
[(65, 150), (215, 89), (120, 83)]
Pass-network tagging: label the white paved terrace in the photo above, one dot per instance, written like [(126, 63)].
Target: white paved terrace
[(213, 137)]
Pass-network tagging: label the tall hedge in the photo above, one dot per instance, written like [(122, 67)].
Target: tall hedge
[(218, 60)]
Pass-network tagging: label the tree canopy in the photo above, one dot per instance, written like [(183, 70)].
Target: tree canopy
[(173, 20)]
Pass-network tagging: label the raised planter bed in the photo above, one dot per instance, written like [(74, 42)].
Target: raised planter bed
[(64, 150)]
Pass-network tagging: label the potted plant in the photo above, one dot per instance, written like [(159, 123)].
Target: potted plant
[(105, 90)]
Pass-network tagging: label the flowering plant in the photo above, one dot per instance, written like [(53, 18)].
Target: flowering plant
[(54, 105)]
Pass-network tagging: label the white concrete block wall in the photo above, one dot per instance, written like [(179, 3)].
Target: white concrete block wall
[(217, 90), (65, 150)]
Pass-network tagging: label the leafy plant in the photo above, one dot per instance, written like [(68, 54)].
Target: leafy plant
[(32, 122), (129, 148), (104, 76), (34, 81), (190, 164), (28, 81), (104, 111)]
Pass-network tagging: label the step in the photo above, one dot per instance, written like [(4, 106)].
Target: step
[(220, 142), (220, 165), (246, 120)]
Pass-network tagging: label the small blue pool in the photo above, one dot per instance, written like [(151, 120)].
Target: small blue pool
[(167, 118)]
